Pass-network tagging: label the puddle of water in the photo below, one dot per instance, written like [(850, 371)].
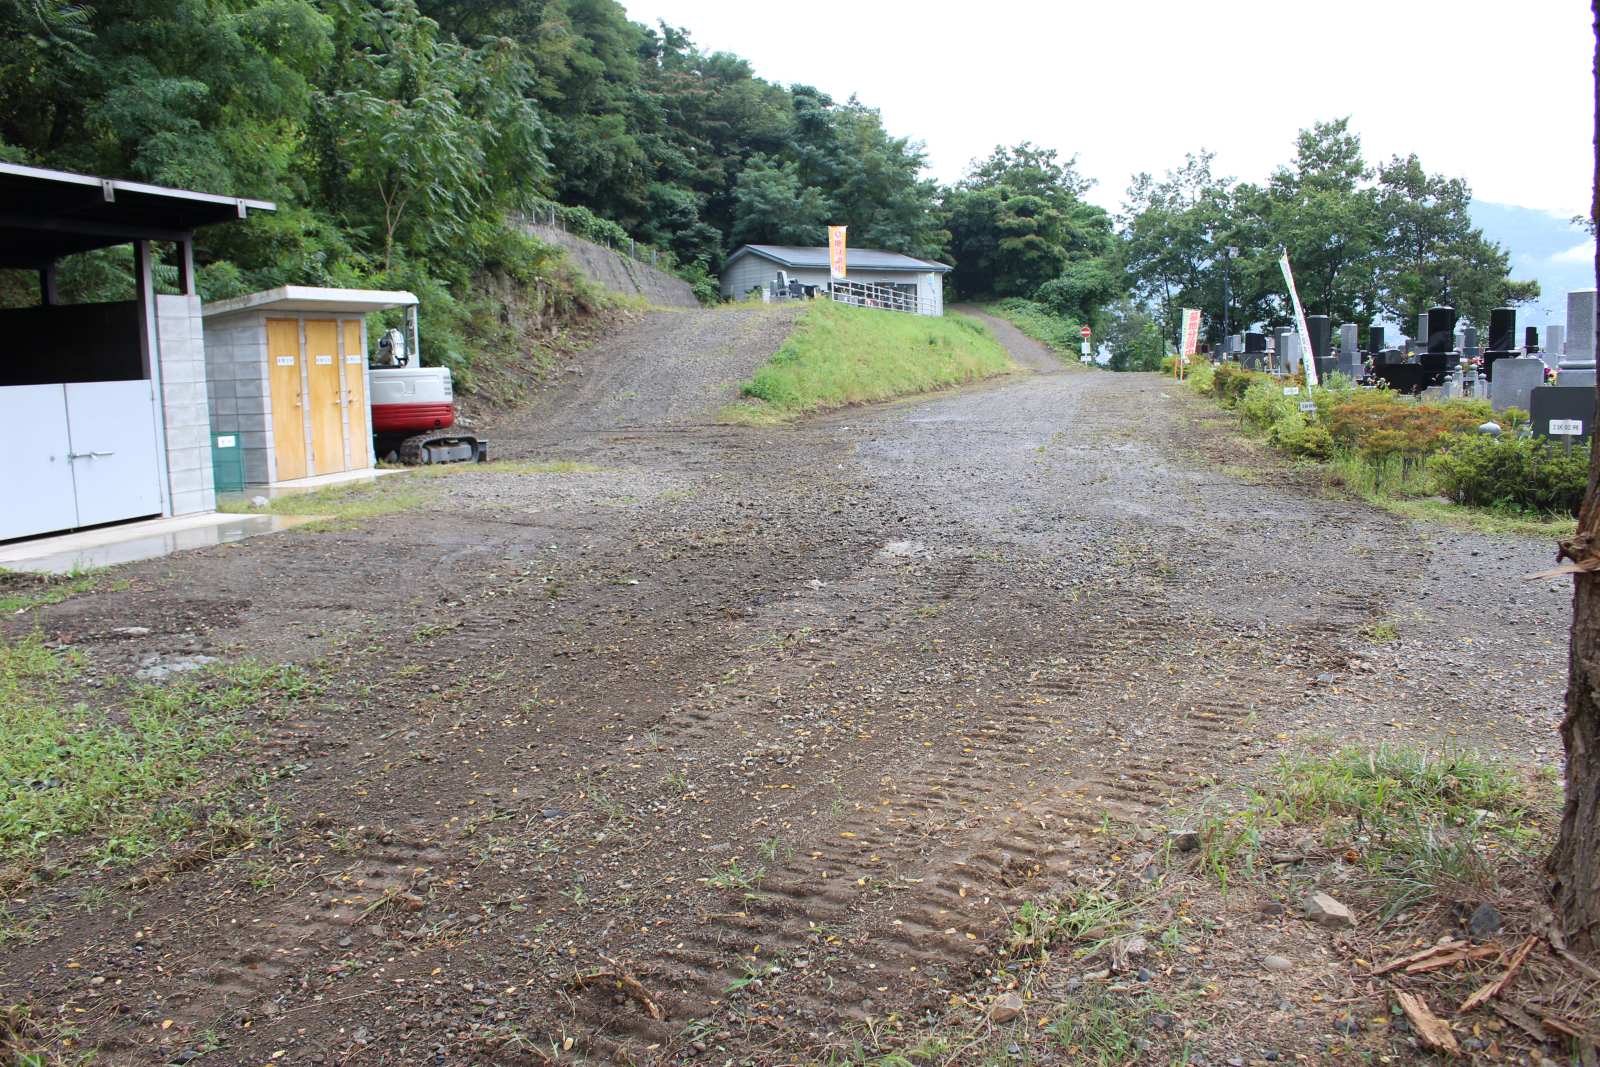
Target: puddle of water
[(151, 545)]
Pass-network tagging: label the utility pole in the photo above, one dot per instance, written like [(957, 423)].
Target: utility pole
[(1228, 253)]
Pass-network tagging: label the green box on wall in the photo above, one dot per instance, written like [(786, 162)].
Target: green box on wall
[(227, 462)]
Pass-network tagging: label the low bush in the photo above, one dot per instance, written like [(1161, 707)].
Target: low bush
[(1380, 423), (1301, 437), (1263, 404), (1521, 474)]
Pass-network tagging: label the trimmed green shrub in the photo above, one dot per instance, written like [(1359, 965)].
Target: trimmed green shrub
[(1301, 437), (1520, 474)]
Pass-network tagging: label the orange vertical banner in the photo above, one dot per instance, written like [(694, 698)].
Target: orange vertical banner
[(836, 251)]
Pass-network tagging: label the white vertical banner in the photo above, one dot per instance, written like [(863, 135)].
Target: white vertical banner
[(1307, 358)]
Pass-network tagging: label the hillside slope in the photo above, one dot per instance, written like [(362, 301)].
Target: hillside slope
[(615, 272), (667, 368)]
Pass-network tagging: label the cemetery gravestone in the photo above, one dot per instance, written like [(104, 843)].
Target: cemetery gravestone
[(1563, 403), (1320, 343), (1576, 372), (1288, 352), (1502, 338), (1580, 324), (1555, 342), (1349, 351), (1515, 379)]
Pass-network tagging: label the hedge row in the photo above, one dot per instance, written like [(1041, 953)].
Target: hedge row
[(1389, 432)]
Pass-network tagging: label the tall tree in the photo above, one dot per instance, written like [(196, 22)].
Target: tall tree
[(773, 206), (1430, 251), (1173, 231), (1322, 212), (1575, 862), (1018, 220)]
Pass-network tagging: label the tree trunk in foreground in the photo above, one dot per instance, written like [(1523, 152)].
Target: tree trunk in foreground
[(1575, 864)]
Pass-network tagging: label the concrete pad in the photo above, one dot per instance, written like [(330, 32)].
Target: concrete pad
[(128, 542), (313, 483)]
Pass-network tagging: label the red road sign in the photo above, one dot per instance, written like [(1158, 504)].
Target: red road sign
[(1084, 331)]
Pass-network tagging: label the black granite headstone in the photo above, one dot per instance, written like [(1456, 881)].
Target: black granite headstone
[(1503, 329), (1375, 339), (1561, 402), (1441, 330)]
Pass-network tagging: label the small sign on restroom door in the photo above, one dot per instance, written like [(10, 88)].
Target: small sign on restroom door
[(324, 361), (285, 361)]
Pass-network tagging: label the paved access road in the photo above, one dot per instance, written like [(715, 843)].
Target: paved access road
[(780, 724)]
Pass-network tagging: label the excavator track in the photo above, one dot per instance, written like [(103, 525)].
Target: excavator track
[(442, 446)]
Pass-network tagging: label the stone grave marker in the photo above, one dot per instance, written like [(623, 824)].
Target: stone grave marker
[(1515, 379)]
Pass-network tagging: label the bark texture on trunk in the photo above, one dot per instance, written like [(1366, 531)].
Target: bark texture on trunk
[(1575, 864)]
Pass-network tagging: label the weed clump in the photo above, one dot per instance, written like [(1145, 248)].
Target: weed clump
[(71, 770), (1420, 824)]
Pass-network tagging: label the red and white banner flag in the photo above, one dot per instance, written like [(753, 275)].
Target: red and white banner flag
[(1191, 332)]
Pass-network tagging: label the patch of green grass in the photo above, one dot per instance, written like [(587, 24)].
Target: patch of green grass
[(1382, 632), (342, 507), (1088, 920), (113, 772), (1479, 520), (20, 591), (1420, 823), (509, 466), (731, 876), (840, 355), (1104, 1028)]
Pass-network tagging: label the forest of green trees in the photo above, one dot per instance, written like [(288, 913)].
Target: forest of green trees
[(397, 137)]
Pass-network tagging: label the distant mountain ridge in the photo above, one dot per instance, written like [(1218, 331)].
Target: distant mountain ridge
[(1545, 247)]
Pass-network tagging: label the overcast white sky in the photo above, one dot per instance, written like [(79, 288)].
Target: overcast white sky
[(1500, 94)]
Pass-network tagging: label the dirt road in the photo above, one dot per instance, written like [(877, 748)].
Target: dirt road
[(780, 724)]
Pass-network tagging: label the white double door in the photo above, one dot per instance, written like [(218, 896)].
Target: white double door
[(78, 454)]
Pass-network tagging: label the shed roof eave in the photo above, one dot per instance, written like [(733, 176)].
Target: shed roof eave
[(115, 185), (311, 298)]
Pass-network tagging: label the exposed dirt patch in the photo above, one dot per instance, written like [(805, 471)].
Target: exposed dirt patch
[(689, 721)]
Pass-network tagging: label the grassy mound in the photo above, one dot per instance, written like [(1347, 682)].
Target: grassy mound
[(840, 355)]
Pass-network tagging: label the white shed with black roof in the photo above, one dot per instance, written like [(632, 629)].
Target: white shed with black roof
[(104, 403), (754, 268)]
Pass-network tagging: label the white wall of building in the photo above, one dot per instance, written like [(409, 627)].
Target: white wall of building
[(751, 271)]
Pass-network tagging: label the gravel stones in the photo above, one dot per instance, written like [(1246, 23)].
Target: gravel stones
[(1323, 910), (1006, 1006), (1184, 840), (1484, 922)]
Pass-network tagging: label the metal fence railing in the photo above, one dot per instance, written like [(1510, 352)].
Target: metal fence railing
[(886, 297)]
